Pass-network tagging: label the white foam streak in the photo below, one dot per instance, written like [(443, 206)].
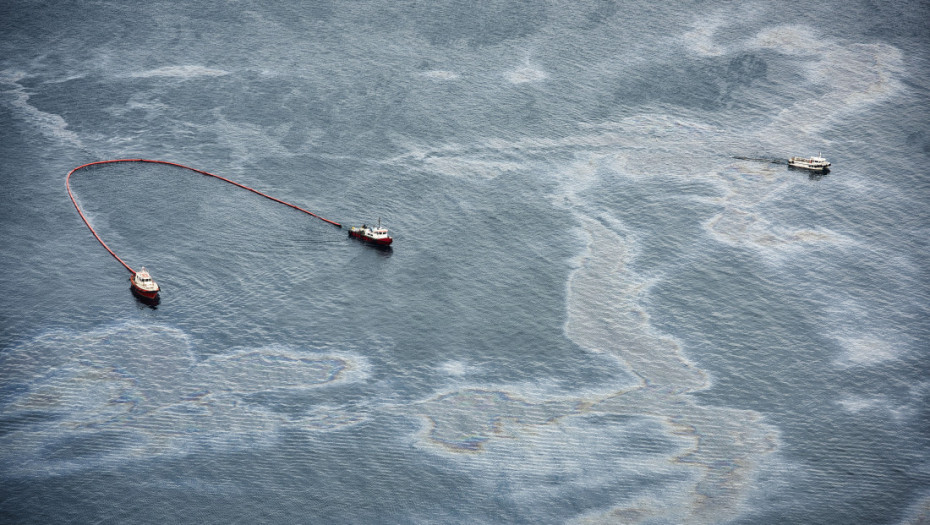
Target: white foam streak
[(855, 75), (141, 386), (526, 74), (441, 75), (791, 39), (180, 72), (700, 39), (51, 125), (603, 315), (495, 157), (879, 406), (897, 409), (720, 447), (867, 350)]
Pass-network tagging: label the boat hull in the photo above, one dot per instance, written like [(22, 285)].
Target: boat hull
[(818, 169), (146, 298), (817, 164), (145, 294)]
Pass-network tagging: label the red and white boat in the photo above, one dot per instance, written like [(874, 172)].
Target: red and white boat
[(376, 235), (143, 285)]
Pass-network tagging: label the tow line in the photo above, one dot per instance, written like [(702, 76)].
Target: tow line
[(224, 179)]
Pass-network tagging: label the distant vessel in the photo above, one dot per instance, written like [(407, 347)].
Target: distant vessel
[(143, 285), (376, 235), (810, 163)]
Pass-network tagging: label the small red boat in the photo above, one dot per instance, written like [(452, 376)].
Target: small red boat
[(143, 285), (376, 235)]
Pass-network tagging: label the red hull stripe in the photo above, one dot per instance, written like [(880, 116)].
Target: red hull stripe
[(144, 293), (359, 236)]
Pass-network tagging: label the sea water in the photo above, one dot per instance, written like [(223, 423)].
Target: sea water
[(608, 299)]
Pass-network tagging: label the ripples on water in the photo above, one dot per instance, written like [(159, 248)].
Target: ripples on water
[(593, 311)]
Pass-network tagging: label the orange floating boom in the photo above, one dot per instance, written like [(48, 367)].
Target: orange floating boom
[(234, 183)]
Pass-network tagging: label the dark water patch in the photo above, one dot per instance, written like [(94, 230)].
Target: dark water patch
[(634, 437), (484, 24), (331, 107), (87, 445), (22, 421), (708, 83), (603, 10)]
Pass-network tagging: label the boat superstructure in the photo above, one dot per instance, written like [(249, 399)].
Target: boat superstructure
[(377, 235), (817, 163), (143, 284)]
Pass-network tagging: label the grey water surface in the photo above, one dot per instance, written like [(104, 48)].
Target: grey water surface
[(608, 299)]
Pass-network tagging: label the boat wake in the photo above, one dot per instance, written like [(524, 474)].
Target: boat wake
[(770, 160)]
